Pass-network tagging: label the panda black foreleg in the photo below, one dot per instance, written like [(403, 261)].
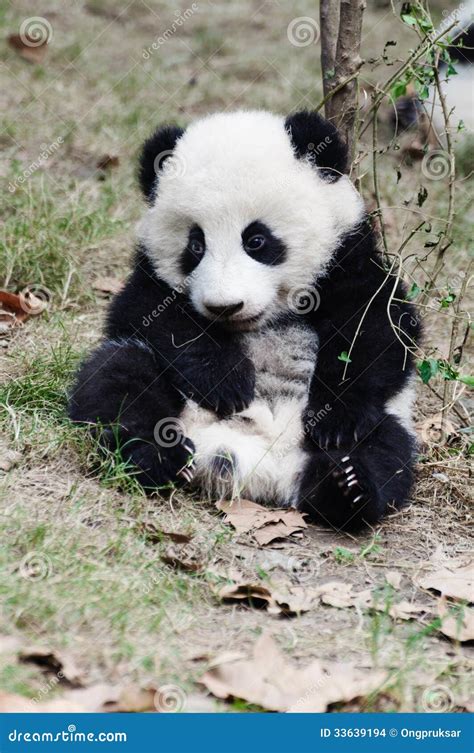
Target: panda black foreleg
[(124, 394), (347, 489)]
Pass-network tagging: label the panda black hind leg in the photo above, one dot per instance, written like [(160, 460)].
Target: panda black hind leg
[(353, 487), (122, 393)]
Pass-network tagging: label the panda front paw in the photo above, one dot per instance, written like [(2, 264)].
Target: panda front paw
[(339, 428), (233, 392), (159, 466)]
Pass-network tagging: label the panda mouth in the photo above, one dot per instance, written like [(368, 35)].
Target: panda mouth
[(243, 324)]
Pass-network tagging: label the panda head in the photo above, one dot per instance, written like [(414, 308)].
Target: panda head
[(244, 209)]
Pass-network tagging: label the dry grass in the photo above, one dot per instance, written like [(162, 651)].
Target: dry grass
[(105, 595)]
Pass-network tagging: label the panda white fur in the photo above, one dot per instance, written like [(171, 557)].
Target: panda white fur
[(255, 264)]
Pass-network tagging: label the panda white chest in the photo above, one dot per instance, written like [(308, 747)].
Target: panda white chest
[(258, 453)]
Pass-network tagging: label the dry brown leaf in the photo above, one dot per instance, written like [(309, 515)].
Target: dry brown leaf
[(283, 599), (132, 699), (16, 704), (34, 52), (53, 661), (457, 623), (107, 161), (8, 459), (452, 579), (337, 594), (267, 525), (269, 681), (406, 610), (393, 578), (107, 285), (182, 560), (155, 535)]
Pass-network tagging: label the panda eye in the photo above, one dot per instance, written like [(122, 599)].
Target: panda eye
[(255, 243), (196, 247), (196, 241)]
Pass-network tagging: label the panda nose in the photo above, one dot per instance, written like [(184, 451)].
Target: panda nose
[(228, 310)]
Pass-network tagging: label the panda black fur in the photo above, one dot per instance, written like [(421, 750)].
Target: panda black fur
[(247, 213)]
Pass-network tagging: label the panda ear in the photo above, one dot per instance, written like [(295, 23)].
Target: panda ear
[(154, 153), (319, 141)]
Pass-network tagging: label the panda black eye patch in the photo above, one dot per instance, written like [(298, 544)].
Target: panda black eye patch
[(194, 251), (260, 244)]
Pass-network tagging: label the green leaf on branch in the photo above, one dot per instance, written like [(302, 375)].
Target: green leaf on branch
[(413, 292), (469, 380), (428, 369), (344, 356)]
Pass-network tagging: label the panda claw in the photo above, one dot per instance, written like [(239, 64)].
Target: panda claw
[(357, 499), (349, 469), (345, 459), (351, 483)]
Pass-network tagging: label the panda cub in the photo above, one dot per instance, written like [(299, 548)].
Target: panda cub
[(260, 348)]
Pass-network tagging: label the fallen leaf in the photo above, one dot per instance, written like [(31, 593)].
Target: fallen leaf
[(393, 578), (182, 560), (155, 535), (8, 459), (16, 308), (266, 524), (406, 610), (457, 623), (16, 704), (53, 661), (132, 699), (107, 285), (283, 599), (34, 52), (269, 681), (107, 161), (452, 579), (337, 594)]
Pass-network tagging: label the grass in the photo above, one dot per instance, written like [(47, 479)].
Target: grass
[(77, 571)]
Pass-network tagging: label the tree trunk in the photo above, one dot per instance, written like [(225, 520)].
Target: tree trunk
[(341, 29)]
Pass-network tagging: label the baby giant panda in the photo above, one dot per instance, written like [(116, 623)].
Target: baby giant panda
[(222, 367)]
